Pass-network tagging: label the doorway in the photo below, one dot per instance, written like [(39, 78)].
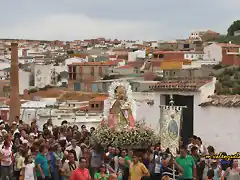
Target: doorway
[(187, 118)]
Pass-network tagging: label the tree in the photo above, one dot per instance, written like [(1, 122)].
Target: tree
[(234, 27)]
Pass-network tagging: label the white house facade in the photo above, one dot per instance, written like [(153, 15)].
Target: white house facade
[(213, 53)]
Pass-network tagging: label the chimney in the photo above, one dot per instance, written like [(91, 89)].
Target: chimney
[(14, 85)]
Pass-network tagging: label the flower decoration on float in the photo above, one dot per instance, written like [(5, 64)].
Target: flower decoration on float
[(139, 136)]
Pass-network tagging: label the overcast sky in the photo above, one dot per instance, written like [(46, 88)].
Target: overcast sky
[(123, 19)]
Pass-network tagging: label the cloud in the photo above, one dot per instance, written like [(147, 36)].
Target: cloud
[(134, 19), (69, 27)]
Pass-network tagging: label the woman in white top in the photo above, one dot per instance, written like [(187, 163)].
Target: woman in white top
[(6, 160), (28, 171)]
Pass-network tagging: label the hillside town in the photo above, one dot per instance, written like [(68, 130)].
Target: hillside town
[(84, 82), (70, 80)]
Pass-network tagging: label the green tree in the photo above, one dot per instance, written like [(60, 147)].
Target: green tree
[(234, 27)]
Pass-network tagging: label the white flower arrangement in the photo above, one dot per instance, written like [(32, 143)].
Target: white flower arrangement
[(140, 136)]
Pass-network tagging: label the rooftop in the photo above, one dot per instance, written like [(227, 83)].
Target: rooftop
[(168, 52), (79, 96), (180, 84), (226, 45), (222, 101), (104, 63), (99, 98)]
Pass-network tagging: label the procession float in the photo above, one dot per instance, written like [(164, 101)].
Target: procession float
[(119, 127)]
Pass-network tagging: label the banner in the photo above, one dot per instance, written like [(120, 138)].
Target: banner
[(170, 127)]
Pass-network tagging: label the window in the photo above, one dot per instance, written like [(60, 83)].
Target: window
[(161, 55), (74, 69), (69, 68), (97, 105), (92, 105), (80, 69), (92, 71), (186, 56), (70, 76), (186, 46), (192, 56), (74, 76), (100, 71)]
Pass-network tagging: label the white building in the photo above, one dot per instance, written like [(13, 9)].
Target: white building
[(74, 60), (42, 75), (211, 123), (47, 74), (213, 53), (4, 74), (132, 56), (194, 55), (24, 81), (195, 36)]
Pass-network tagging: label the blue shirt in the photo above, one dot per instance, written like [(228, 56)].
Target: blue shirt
[(43, 162)]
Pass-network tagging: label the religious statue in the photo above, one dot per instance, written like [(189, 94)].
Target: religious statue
[(120, 110)]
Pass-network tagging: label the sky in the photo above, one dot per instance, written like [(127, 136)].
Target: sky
[(122, 19)]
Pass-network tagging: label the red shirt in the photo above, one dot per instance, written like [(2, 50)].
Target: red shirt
[(80, 174)]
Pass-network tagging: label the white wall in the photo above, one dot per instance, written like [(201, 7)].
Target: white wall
[(24, 80), (219, 126), (194, 64), (3, 74), (193, 56), (44, 78), (74, 60), (213, 52), (132, 56)]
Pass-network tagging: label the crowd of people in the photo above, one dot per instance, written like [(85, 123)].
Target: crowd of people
[(65, 153)]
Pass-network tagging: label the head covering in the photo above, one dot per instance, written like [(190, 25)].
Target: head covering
[(4, 131), (2, 123)]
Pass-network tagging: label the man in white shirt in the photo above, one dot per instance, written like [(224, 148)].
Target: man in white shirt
[(76, 148)]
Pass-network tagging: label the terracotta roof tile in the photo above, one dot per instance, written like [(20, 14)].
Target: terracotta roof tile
[(99, 98), (84, 108), (222, 101), (168, 52), (104, 63), (225, 45), (79, 96), (136, 64), (49, 93), (125, 67), (180, 84)]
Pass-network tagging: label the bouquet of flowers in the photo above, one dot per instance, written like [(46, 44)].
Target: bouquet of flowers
[(139, 136)]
